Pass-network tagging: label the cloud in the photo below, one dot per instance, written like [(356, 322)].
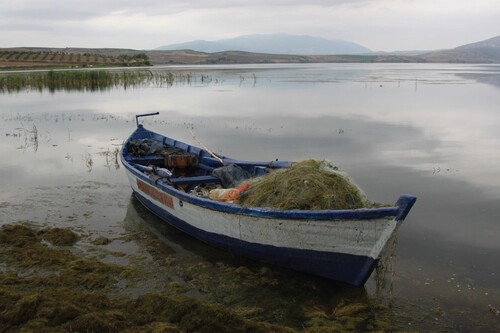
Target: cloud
[(376, 24), (77, 10)]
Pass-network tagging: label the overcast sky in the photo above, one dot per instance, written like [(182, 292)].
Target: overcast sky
[(381, 25)]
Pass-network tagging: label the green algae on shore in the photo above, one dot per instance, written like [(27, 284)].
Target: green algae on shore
[(59, 236), (54, 288), (357, 317), (73, 293)]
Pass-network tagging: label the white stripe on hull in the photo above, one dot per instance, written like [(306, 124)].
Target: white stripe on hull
[(359, 237)]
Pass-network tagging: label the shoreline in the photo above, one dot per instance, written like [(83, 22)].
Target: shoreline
[(26, 58)]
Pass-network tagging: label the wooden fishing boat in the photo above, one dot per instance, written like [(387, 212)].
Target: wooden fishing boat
[(341, 245)]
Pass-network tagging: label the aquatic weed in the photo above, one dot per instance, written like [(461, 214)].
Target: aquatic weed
[(346, 316), (59, 236), (89, 162), (74, 293)]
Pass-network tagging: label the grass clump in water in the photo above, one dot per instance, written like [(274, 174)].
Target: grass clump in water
[(349, 317), (25, 247), (18, 235), (307, 185), (59, 236)]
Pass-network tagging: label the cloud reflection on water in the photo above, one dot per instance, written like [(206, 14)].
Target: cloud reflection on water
[(439, 142)]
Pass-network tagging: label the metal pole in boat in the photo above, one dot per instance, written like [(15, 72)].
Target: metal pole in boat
[(144, 115)]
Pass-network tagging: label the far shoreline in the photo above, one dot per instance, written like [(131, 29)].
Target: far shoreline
[(32, 58)]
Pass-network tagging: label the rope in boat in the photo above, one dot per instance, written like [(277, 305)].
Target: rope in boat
[(205, 147)]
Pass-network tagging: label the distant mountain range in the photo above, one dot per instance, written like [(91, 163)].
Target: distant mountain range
[(486, 51), (273, 44)]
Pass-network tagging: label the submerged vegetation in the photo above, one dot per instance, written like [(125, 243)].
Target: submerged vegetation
[(47, 285), (90, 80)]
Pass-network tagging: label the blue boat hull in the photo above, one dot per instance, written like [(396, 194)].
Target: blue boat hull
[(345, 268)]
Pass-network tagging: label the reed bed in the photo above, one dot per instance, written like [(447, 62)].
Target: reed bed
[(89, 80)]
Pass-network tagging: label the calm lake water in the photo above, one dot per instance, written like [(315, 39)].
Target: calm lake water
[(431, 130)]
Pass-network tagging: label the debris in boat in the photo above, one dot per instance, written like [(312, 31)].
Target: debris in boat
[(231, 195), (307, 185), (181, 161), (231, 175), (143, 147), (175, 159), (146, 147), (203, 190)]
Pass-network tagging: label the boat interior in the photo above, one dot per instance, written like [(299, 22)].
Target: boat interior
[(189, 165)]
